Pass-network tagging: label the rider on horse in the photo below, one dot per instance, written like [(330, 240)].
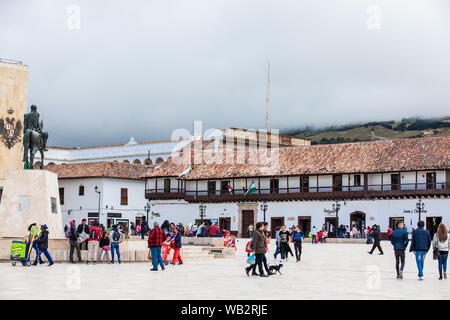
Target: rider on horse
[(32, 123)]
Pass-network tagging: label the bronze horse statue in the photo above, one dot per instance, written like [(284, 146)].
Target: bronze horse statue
[(33, 141)]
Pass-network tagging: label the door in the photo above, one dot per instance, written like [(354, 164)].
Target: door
[(432, 225), (337, 182), (274, 223), (247, 219), (124, 223), (328, 223), (274, 185), (225, 224), (304, 184), (358, 219), (110, 223), (394, 220), (211, 187), (431, 180), (305, 224), (395, 181)]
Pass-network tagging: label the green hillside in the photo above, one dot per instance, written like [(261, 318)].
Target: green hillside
[(406, 128)]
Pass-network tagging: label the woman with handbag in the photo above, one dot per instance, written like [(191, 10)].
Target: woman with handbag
[(441, 246)]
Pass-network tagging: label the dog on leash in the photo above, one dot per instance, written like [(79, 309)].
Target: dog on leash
[(276, 269)]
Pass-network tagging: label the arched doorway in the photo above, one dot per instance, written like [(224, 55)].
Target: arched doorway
[(148, 161), (159, 160), (358, 219), (126, 161), (137, 161)]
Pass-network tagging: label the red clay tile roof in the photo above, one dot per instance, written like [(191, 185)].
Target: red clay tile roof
[(100, 170), (360, 157)]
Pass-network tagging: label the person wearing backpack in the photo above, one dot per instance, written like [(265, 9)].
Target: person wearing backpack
[(441, 245), (144, 227), (93, 242), (116, 237), (73, 241)]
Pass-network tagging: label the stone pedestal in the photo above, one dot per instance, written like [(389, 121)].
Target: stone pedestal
[(30, 196)]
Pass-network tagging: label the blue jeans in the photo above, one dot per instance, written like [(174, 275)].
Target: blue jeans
[(442, 263), (47, 255), (420, 259), (277, 251), (156, 257), (115, 246), (35, 247)]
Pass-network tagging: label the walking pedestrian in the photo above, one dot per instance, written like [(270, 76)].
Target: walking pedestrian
[(43, 246), (399, 239), (258, 247), (155, 240), (116, 238), (73, 242), (283, 242), (441, 244), (375, 233), (297, 237), (105, 247), (177, 247), (420, 244)]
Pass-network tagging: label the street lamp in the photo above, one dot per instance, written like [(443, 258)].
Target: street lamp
[(202, 210), (264, 209), (336, 206), (147, 208), (420, 205), (96, 190)]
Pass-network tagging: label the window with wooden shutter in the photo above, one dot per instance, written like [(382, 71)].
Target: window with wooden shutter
[(61, 195), (124, 196), (81, 191)]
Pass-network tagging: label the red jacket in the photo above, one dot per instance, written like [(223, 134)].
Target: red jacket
[(156, 237), (213, 230), (98, 232)]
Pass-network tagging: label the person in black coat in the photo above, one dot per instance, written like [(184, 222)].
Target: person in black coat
[(43, 245), (83, 227), (376, 235)]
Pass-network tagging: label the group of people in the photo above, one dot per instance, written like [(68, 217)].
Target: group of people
[(39, 239), (94, 239), (421, 243), (260, 242)]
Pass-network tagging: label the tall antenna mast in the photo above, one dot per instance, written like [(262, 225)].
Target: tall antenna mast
[(267, 96)]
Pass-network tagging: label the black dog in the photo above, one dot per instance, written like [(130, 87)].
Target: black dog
[(276, 268)]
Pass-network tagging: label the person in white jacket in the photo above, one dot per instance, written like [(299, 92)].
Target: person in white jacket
[(441, 241)]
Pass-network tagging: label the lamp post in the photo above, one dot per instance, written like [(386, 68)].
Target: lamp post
[(264, 209), (420, 205), (99, 192), (336, 206), (202, 210), (147, 208)]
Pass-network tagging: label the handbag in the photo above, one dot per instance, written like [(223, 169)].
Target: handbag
[(251, 259), (436, 253)]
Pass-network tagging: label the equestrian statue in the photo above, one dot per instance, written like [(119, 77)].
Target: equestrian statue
[(34, 138)]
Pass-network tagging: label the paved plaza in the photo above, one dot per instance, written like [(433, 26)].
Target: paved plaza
[(327, 271)]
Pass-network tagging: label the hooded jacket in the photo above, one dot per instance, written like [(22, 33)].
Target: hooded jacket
[(43, 240)]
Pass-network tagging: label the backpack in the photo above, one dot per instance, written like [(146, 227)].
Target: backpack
[(94, 234), (68, 233), (116, 236)]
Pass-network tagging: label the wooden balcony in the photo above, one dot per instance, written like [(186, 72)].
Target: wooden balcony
[(377, 191)]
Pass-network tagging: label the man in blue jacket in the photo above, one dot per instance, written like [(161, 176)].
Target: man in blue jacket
[(420, 244), (399, 239)]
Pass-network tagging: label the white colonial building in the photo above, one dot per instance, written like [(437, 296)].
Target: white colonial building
[(106, 192), (376, 182)]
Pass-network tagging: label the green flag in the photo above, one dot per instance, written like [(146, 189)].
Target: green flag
[(251, 189)]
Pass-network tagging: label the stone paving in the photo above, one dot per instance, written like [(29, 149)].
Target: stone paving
[(327, 271)]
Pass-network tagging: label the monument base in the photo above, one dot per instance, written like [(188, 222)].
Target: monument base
[(30, 196)]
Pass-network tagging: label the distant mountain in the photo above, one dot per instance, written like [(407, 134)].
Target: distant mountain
[(406, 128)]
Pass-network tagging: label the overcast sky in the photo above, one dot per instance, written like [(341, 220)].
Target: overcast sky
[(143, 68)]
